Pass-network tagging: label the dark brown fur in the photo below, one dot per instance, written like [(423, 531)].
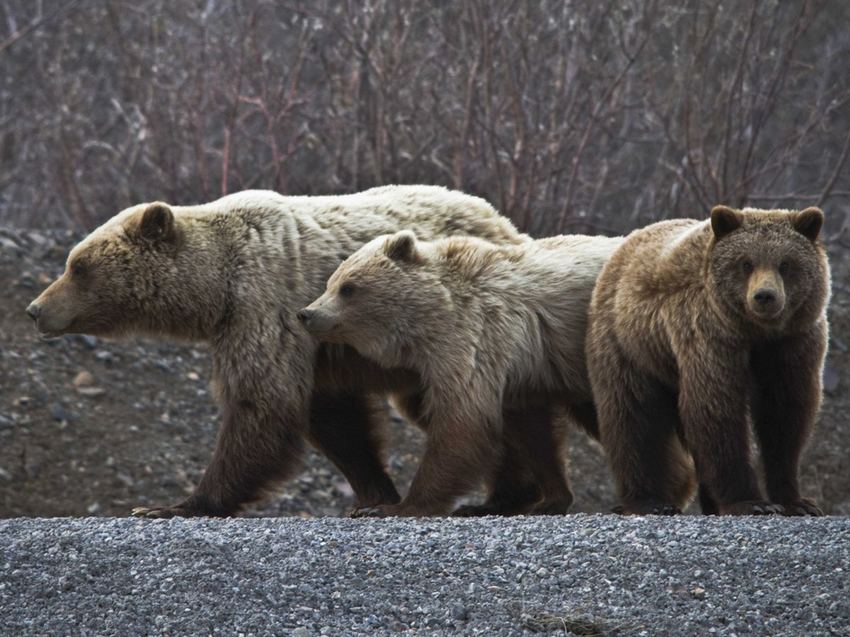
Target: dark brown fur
[(692, 326)]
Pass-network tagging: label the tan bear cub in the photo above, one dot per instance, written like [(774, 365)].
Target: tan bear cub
[(697, 330), (233, 273), (496, 334)]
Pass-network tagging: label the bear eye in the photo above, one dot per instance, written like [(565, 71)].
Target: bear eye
[(346, 290), (79, 269), (747, 266), (784, 267)]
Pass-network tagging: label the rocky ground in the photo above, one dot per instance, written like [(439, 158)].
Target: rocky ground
[(576, 575), (94, 428)]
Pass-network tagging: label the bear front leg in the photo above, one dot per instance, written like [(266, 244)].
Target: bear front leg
[(255, 448), (713, 409), (346, 429), (459, 453), (637, 420), (786, 397), (513, 490)]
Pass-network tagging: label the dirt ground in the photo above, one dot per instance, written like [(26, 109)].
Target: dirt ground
[(138, 425)]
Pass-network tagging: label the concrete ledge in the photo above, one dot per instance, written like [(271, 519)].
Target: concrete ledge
[(581, 574)]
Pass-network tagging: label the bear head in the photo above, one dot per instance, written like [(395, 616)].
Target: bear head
[(113, 279), (378, 300), (767, 266)]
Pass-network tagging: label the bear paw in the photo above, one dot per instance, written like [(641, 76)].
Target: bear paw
[(166, 512), (803, 506), (477, 510), (552, 507), (380, 511), (646, 508), (751, 507)]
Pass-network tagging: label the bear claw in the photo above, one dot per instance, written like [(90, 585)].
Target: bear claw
[(751, 507), (802, 507), (369, 512), (647, 509), (163, 513)]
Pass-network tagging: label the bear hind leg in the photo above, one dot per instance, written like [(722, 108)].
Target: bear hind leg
[(347, 429)]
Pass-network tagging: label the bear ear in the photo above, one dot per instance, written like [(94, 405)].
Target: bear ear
[(724, 220), (809, 222), (401, 246), (157, 223)]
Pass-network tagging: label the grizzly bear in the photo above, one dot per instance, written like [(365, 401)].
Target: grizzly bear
[(696, 327), (496, 335), (233, 273)]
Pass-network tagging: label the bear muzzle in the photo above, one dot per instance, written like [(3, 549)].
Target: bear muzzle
[(766, 295), (52, 312), (34, 311), (316, 321)]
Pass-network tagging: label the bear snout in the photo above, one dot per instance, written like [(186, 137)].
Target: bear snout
[(317, 321), (305, 316), (765, 297), (33, 311), (766, 294)]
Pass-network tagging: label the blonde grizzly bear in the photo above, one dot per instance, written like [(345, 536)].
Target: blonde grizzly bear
[(496, 334), (233, 273), (693, 326)]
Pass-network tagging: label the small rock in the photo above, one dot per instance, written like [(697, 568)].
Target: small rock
[(93, 508), (59, 413), (301, 631), (460, 612), (104, 356), (698, 592), (126, 480), (91, 392), (89, 341), (6, 422), (83, 379), (830, 378), (192, 376), (8, 244), (839, 344), (37, 238), (26, 280)]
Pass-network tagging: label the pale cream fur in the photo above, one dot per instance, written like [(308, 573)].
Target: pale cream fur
[(484, 326), (233, 272)]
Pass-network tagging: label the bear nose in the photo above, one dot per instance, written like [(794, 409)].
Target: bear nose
[(34, 311), (305, 315), (764, 296)]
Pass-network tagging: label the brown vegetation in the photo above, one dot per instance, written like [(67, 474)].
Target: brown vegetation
[(566, 115)]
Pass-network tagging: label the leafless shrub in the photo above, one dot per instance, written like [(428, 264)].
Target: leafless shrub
[(568, 115)]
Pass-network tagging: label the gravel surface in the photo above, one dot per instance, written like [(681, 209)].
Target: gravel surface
[(583, 574)]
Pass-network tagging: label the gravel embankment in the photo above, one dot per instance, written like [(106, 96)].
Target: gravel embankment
[(587, 575)]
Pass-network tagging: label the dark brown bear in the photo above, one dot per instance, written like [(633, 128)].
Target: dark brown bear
[(693, 326)]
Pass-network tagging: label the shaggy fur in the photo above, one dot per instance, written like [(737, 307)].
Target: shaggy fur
[(497, 336), (233, 273), (693, 325)]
